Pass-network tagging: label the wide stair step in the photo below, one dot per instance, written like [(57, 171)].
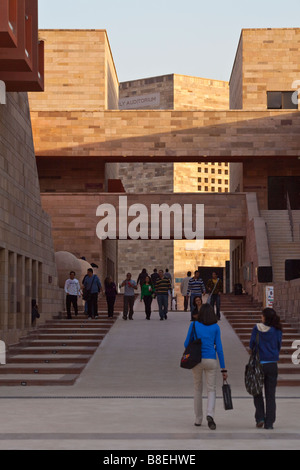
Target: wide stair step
[(242, 315), (56, 352)]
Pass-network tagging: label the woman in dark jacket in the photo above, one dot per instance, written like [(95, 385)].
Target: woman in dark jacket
[(110, 294), (269, 334), (197, 303)]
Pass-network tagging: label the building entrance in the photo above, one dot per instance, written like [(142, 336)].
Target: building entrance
[(282, 191)]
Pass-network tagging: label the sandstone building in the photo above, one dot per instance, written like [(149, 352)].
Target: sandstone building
[(84, 150)]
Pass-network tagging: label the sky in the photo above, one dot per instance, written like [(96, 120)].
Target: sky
[(158, 37)]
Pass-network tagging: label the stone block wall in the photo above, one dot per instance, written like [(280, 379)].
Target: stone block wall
[(269, 61), (27, 267), (287, 301), (79, 72)]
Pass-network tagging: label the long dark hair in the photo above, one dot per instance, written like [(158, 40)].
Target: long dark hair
[(207, 315), (271, 318)]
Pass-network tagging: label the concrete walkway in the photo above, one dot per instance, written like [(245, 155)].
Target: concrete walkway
[(133, 395)]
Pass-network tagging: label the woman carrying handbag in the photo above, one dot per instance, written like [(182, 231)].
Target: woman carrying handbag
[(268, 335), (208, 331)]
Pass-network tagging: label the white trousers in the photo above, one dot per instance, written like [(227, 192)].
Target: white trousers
[(209, 368)]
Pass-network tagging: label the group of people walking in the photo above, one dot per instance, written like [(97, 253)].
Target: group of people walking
[(193, 288), (89, 290), (157, 285), (266, 335)]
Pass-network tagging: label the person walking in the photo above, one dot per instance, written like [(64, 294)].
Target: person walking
[(184, 289), (268, 333), (142, 276), (147, 296), (162, 288), (197, 307), (208, 330), (154, 277), (129, 296), (93, 287), (215, 289), (196, 287), (72, 291), (34, 312), (110, 294)]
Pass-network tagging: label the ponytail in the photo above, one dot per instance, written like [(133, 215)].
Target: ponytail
[(272, 319)]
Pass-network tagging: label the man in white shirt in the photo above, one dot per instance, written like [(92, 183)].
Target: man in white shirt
[(72, 290), (184, 289)]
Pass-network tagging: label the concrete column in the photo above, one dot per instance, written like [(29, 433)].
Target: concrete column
[(4, 304), (28, 292), (12, 290), (20, 291)]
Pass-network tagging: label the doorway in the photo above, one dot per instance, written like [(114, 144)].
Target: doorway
[(283, 190)]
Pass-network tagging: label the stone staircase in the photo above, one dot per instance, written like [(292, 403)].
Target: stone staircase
[(242, 315), (56, 352), (282, 245)]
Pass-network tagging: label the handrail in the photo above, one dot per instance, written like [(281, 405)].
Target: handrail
[(288, 203)]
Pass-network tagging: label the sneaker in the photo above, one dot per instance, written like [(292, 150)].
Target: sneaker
[(211, 423), (260, 424)]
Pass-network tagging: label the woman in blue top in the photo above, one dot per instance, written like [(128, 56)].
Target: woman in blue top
[(209, 332), (269, 333)]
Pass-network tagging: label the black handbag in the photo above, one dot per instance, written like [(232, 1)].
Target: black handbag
[(254, 374), (193, 353), (227, 399)]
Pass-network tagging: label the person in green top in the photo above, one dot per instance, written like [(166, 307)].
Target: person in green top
[(147, 296)]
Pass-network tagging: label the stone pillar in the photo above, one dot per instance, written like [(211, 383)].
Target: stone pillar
[(4, 304), (28, 292), (12, 290)]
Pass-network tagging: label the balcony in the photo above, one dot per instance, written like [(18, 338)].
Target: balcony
[(21, 52)]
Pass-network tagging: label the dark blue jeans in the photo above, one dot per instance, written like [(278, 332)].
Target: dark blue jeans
[(216, 299), (162, 300), (267, 412)]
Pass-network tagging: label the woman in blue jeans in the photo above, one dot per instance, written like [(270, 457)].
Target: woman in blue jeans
[(269, 333), (209, 332)]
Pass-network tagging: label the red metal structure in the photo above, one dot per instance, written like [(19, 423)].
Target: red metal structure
[(21, 51)]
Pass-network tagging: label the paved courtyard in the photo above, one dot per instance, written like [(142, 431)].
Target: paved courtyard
[(133, 395)]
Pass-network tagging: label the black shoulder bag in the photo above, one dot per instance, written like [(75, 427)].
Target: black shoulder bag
[(193, 353)]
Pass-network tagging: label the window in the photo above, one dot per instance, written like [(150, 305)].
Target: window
[(281, 100)]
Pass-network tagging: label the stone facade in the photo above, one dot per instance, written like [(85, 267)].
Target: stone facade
[(248, 134), (27, 267)]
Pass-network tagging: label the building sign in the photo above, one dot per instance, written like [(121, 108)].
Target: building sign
[(269, 297), (140, 102)]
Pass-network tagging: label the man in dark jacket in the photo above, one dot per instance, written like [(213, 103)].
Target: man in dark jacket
[(215, 288)]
